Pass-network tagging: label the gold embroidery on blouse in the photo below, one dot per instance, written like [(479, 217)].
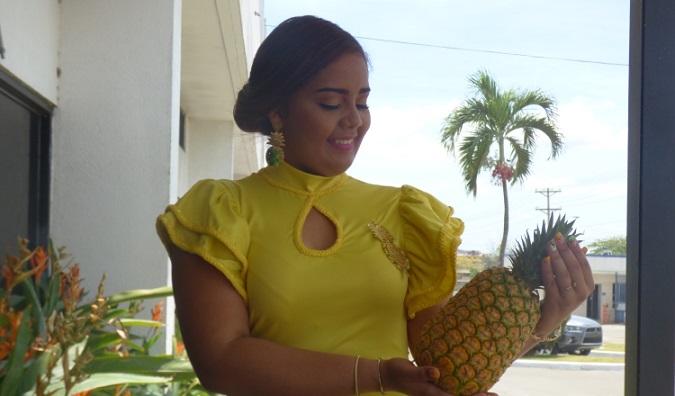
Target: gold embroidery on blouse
[(395, 254)]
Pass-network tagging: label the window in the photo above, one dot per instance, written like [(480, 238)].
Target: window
[(25, 142)]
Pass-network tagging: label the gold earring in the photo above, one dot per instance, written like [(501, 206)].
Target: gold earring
[(275, 153)]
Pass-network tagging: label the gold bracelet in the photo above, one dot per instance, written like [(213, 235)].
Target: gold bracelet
[(356, 375), (379, 377), (552, 337)]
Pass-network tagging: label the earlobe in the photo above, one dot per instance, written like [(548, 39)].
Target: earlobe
[(275, 119)]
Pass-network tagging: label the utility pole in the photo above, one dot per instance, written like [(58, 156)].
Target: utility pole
[(547, 193)]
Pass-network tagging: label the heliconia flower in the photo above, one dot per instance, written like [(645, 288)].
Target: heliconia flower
[(156, 311), (70, 287), (4, 350), (38, 262), (10, 339), (7, 274)]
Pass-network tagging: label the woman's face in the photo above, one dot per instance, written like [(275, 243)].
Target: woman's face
[(326, 120)]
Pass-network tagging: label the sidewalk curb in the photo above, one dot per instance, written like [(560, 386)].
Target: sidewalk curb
[(569, 365)]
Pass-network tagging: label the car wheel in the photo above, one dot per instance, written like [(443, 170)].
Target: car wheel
[(543, 350), (584, 352), (555, 350)]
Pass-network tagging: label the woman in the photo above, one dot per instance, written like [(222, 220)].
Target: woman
[(300, 280)]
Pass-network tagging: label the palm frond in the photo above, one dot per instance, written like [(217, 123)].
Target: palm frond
[(521, 157), (473, 156)]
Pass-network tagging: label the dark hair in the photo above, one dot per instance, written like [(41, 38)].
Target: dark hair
[(291, 55)]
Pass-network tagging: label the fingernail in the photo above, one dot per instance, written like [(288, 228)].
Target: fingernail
[(584, 249), (558, 235), (547, 259), (434, 374), (572, 238), (552, 245)]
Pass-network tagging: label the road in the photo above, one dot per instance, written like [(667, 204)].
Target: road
[(529, 381), (556, 381)]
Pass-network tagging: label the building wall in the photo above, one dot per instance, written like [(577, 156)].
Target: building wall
[(115, 140), (607, 272), (210, 146), (30, 33)]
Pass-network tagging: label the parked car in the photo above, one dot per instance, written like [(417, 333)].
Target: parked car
[(580, 336)]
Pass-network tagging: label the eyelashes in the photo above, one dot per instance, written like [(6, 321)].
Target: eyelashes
[(335, 107)]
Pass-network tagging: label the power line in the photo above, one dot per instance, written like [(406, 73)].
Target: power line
[(555, 58), (453, 48)]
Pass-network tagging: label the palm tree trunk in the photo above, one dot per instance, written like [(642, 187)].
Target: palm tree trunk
[(505, 193), (505, 234)]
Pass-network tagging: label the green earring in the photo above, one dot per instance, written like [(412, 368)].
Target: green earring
[(275, 153)]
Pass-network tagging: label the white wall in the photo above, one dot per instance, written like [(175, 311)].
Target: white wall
[(253, 27), (115, 142), (30, 34), (209, 148)]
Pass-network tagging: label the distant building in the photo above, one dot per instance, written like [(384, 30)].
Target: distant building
[(608, 302)]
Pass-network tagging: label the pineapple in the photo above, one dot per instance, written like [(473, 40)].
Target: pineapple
[(481, 330)]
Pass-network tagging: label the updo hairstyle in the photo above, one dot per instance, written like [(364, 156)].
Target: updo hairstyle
[(291, 55)]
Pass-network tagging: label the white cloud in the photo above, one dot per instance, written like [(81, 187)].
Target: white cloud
[(581, 122)]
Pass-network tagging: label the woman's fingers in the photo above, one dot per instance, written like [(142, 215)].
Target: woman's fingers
[(572, 275)]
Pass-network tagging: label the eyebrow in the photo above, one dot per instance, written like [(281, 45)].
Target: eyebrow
[(341, 91)]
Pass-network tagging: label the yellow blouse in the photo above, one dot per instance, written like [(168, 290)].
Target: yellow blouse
[(352, 298)]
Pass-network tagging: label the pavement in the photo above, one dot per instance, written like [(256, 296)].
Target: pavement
[(611, 333), (528, 377)]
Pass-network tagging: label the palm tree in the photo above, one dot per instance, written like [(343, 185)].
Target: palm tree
[(495, 118)]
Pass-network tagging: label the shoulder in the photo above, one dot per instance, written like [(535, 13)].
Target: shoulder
[(371, 188)]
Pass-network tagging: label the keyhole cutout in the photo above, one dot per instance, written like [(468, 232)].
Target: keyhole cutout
[(318, 232)]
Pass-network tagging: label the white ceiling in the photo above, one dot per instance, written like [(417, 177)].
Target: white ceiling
[(213, 65)]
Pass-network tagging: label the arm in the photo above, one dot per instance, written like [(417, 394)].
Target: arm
[(568, 281), (227, 359)]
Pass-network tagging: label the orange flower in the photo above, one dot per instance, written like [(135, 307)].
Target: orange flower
[(4, 350), (13, 330), (70, 288), (180, 347), (156, 311), (7, 274), (38, 261)]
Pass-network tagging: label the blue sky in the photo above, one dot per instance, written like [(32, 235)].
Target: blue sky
[(575, 51)]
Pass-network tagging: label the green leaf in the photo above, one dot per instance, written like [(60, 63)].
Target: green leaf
[(38, 316), (30, 374), (140, 294), (11, 381), (115, 313), (72, 352), (100, 341), (129, 322), (98, 381), (4, 321), (53, 294), (144, 365)]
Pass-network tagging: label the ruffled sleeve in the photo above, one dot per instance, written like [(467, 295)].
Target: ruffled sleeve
[(206, 222), (431, 237)]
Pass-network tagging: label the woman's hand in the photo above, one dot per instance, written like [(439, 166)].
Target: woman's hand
[(401, 375), (568, 282)]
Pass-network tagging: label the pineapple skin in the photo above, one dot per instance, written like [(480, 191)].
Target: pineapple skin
[(479, 332)]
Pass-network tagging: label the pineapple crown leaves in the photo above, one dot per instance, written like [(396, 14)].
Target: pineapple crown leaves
[(529, 252)]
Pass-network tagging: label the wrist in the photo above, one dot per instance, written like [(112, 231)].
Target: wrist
[(369, 375), (546, 334)]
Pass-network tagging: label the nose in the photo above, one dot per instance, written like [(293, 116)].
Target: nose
[(352, 118)]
